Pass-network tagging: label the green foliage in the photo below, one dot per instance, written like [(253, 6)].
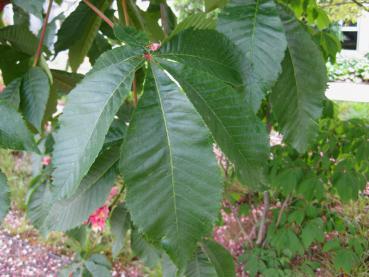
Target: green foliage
[(297, 117), (103, 92), (223, 80), (349, 70), (4, 196), (34, 7), (34, 96), (164, 107), (13, 131), (255, 26)]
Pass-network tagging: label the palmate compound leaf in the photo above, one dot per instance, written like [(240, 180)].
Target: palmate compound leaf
[(256, 28), (297, 97), (89, 111), (173, 188), (172, 178)]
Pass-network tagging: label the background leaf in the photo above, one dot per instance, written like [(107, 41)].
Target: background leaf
[(255, 27), (34, 7), (220, 258), (302, 81), (120, 223)]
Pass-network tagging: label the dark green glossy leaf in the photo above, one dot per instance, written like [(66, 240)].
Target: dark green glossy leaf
[(78, 32), (143, 249), (200, 266), (99, 266), (99, 46), (95, 187), (34, 96), (13, 63), (234, 126), (120, 223), (220, 258), (11, 93), (303, 82), (177, 203), (91, 105), (214, 54), (65, 81), (255, 27), (20, 37), (13, 131), (39, 203)]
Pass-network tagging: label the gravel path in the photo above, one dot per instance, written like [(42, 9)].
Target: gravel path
[(20, 257)]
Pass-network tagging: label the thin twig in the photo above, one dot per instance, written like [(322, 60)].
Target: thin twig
[(262, 228), (134, 83), (125, 12), (42, 36), (361, 5), (235, 213), (284, 206), (99, 13)]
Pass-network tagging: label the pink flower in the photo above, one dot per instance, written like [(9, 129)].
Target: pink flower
[(98, 218), (154, 46), (46, 160), (114, 191)]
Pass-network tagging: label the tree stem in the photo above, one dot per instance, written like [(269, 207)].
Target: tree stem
[(164, 18), (284, 205), (262, 228), (125, 12), (99, 13), (42, 36)]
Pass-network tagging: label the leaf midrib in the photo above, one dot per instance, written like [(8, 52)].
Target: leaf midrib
[(170, 152)]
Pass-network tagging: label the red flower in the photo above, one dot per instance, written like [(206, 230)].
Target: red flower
[(148, 56), (98, 218)]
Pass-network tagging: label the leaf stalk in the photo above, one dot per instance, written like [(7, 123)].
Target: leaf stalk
[(42, 36)]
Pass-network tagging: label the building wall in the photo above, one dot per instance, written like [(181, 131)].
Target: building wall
[(363, 34)]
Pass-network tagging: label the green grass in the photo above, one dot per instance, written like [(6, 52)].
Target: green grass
[(17, 168)]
